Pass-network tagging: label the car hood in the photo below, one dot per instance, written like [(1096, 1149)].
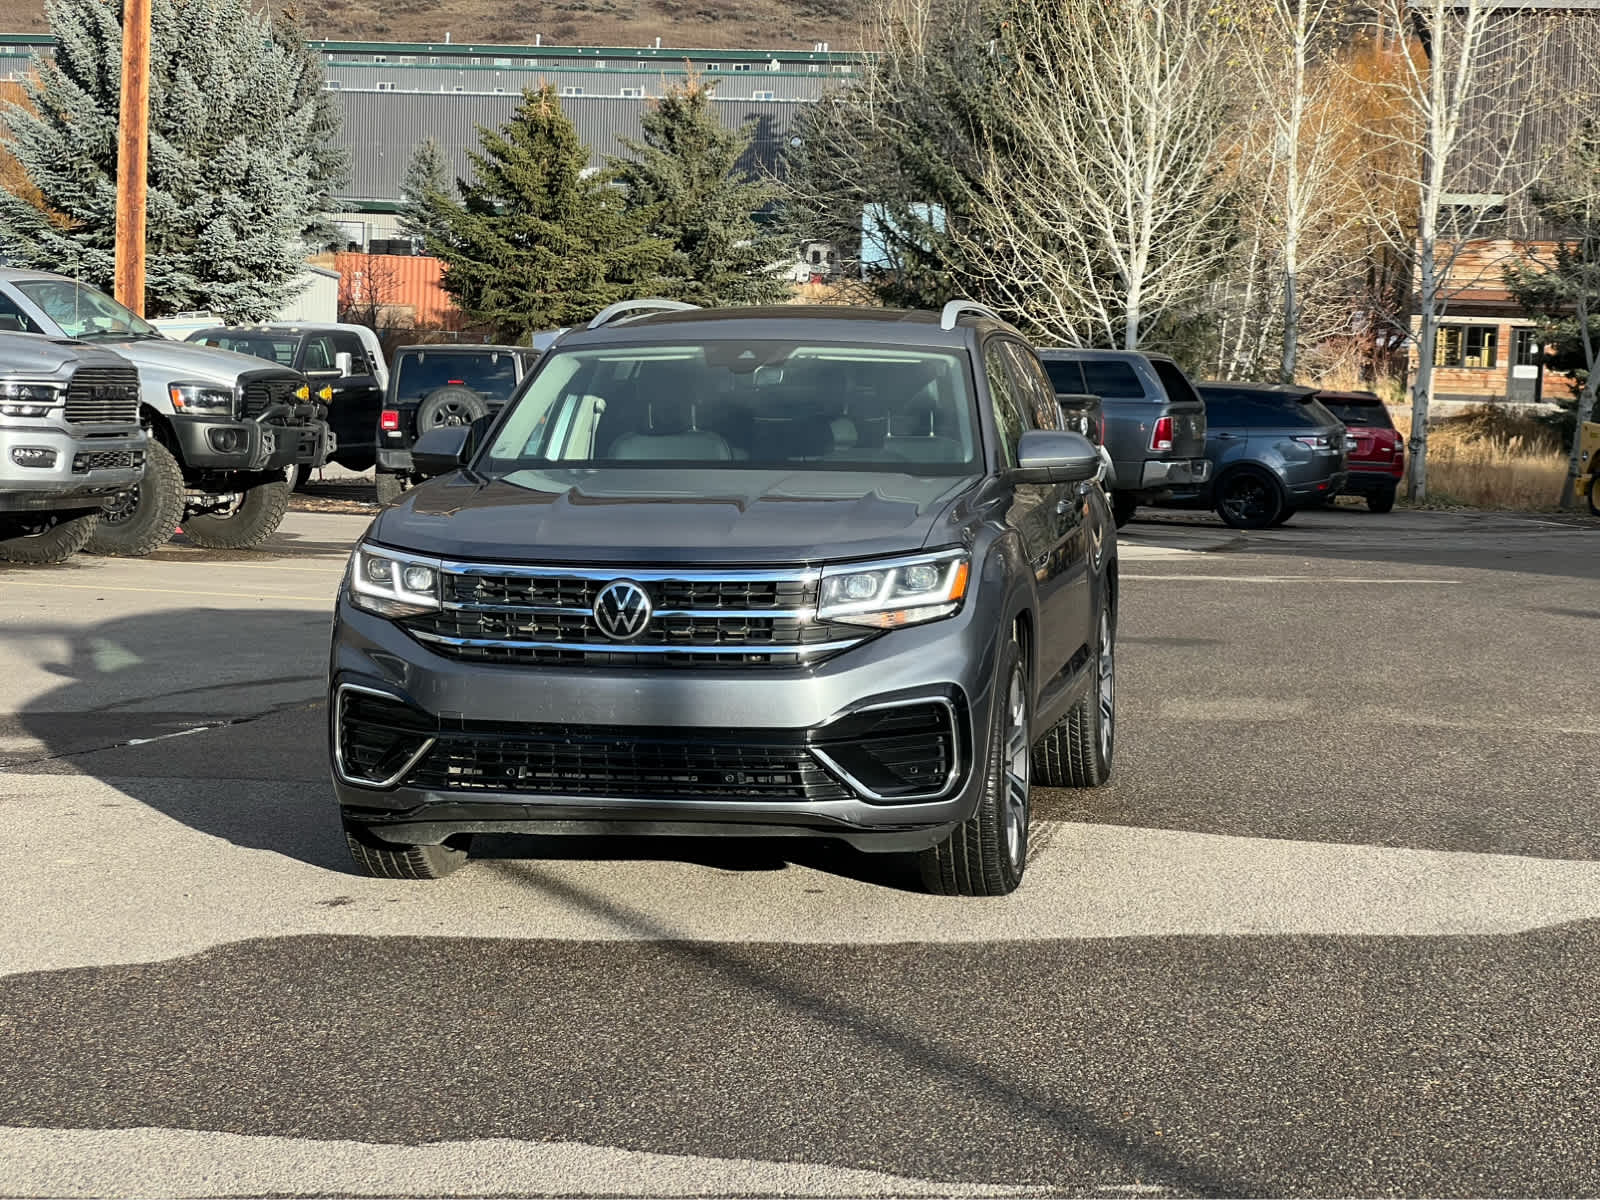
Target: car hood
[(673, 516), (175, 361), (28, 355)]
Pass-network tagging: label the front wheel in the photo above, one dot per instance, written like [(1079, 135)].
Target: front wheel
[(1249, 499), (987, 854), (47, 537), (244, 523), (371, 855), (142, 519), (1076, 752)]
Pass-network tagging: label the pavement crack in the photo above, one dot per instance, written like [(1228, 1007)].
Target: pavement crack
[(202, 727)]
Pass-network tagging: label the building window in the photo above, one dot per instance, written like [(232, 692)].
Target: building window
[(1468, 346), (333, 85), (1527, 350), (458, 88), (380, 58), (572, 91), (761, 95), (631, 93), (843, 68), (741, 66), (713, 66), (385, 86), (814, 68), (477, 62), (499, 91), (433, 60), (407, 60)]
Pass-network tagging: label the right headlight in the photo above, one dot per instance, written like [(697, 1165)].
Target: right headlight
[(392, 584), (29, 398), (895, 592), (207, 398)]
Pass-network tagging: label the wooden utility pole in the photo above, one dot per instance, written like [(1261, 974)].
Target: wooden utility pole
[(133, 153)]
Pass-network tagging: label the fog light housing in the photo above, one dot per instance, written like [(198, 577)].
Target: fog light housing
[(33, 456), (225, 441)]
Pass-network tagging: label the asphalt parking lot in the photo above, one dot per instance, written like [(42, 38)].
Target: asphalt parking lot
[(1333, 929)]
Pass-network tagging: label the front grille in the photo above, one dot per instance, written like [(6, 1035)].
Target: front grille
[(623, 763), (262, 391), (698, 619), (107, 460), (103, 396)]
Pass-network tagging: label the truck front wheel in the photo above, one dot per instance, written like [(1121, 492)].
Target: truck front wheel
[(250, 520), (46, 537), (143, 518)]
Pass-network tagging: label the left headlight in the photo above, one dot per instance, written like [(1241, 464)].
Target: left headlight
[(392, 584), (206, 398), (895, 592), (29, 398)]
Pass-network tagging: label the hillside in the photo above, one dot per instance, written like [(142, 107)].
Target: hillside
[(732, 24)]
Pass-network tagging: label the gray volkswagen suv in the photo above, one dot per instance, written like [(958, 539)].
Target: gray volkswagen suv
[(818, 572)]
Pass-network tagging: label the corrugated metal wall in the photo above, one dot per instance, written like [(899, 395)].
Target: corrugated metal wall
[(651, 80), (382, 129), (407, 287)]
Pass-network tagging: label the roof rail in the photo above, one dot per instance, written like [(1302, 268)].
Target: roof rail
[(621, 308), (947, 318)]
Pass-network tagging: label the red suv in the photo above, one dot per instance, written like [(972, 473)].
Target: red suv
[(1378, 459)]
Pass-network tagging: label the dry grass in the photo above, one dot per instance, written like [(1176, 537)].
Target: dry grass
[(1490, 459)]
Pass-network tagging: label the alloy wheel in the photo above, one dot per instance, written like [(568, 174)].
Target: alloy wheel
[(1018, 766), (1107, 688), (1247, 499)]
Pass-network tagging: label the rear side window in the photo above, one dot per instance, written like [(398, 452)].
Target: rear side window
[(1066, 376), (1356, 412), (1111, 379), (1179, 389)]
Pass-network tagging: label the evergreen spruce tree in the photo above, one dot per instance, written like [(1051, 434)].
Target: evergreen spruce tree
[(427, 179), (240, 160), (688, 184), (536, 242)]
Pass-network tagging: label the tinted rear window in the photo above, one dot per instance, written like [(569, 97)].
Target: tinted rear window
[(1065, 377), (1251, 408), (1360, 412), (493, 375), (1112, 380), (1179, 389)]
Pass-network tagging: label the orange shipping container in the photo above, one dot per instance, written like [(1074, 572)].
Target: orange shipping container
[(404, 288)]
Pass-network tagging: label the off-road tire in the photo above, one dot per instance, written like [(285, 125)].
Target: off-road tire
[(257, 518), (976, 859), (394, 860), (1382, 502), (1123, 506), (66, 535), (1072, 753), (390, 487), (155, 514), (453, 404), (1271, 499)]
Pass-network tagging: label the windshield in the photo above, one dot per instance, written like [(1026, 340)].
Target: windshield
[(83, 312), (274, 350), (1373, 416), (492, 375), (736, 404)]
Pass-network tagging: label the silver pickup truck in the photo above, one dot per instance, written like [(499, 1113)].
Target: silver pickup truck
[(1154, 421), (69, 441)]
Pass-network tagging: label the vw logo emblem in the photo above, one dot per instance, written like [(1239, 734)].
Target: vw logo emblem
[(622, 610)]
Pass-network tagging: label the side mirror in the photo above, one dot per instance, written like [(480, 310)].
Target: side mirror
[(345, 362), (1051, 456), (440, 451)]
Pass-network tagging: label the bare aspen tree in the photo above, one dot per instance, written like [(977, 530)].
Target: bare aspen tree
[(1286, 48), (1108, 211), (1468, 88)]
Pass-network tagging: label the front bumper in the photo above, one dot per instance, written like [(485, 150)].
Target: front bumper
[(741, 750), (84, 473), (209, 444)]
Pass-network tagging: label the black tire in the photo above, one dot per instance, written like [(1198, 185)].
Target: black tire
[(390, 487), (1249, 498), (46, 537), (143, 519), (395, 860), (987, 854), (254, 519), (1077, 751), (1382, 502), (298, 476), (452, 404), (1123, 506)]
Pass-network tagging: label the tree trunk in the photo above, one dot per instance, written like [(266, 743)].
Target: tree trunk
[(1422, 383), (1569, 487), (1291, 327)]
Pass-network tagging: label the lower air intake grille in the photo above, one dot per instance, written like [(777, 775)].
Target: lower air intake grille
[(107, 460)]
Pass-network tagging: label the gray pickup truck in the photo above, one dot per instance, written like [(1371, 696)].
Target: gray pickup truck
[(1154, 421), (69, 441)]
